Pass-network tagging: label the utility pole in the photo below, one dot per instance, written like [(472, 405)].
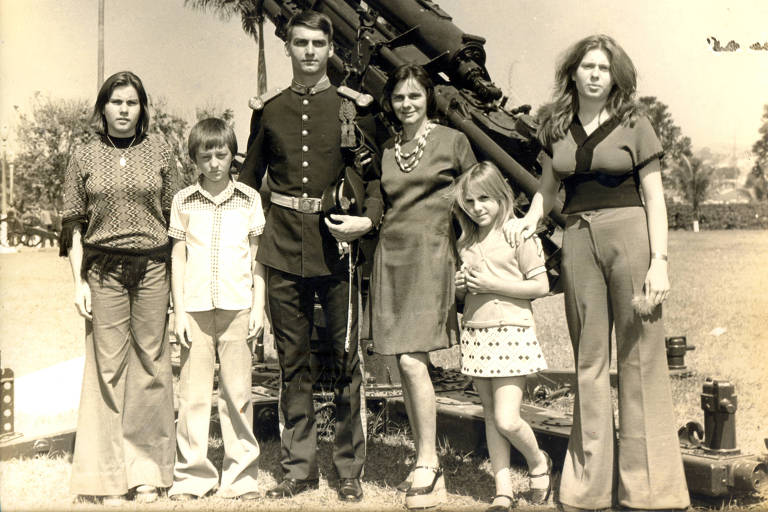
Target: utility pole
[(100, 77), (3, 200)]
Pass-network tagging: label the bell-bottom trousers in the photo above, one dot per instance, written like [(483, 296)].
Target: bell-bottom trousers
[(606, 255), (125, 431)]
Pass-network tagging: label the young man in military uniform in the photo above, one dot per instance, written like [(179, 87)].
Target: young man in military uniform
[(297, 133)]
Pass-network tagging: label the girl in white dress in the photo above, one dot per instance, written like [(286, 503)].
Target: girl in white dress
[(498, 340)]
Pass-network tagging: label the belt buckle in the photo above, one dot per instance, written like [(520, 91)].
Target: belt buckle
[(306, 205)]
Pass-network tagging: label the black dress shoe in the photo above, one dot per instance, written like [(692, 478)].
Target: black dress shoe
[(350, 490), (291, 487)]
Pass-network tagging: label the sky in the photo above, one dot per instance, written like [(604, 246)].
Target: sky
[(195, 59)]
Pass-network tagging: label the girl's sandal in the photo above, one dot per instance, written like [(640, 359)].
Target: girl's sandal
[(502, 508), (428, 496), (540, 496)]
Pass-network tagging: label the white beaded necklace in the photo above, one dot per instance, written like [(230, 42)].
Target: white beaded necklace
[(409, 161), (123, 160)]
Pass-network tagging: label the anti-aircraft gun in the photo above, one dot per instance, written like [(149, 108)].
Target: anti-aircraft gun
[(372, 38)]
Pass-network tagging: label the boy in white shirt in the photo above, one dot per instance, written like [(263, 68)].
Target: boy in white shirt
[(218, 294)]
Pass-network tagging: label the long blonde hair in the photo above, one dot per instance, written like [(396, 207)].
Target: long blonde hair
[(486, 179)]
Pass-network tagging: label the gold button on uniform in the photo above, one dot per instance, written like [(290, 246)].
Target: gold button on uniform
[(304, 195), (305, 102), (305, 148), (305, 180), (304, 117), (304, 132), (305, 164)]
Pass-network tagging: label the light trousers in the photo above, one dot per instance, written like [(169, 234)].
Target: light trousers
[(606, 255), (125, 433), (222, 332)]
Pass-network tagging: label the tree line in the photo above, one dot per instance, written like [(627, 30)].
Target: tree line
[(48, 134)]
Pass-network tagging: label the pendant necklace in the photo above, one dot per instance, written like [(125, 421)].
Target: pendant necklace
[(408, 161), (123, 160)]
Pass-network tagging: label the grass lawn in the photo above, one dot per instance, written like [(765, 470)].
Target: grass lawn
[(718, 300)]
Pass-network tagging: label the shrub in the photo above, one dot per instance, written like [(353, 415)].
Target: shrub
[(719, 216)]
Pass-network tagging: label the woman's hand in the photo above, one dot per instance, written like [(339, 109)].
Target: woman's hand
[(518, 230), (181, 328), (255, 322), (83, 299), (657, 282), (479, 282)]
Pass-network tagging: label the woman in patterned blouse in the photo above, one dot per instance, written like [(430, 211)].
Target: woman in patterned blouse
[(117, 198)]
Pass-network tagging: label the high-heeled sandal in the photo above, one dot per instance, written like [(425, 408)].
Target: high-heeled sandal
[(428, 496), (540, 496), (406, 484), (502, 508)]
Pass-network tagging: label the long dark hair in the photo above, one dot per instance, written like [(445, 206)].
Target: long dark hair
[(556, 117), (120, 79), (404, 72)]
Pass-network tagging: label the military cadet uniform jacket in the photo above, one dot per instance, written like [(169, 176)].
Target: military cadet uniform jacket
[(297, 135)]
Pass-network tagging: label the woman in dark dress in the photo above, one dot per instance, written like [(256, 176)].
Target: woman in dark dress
[(413, 294), (605, 152), (117, 199)]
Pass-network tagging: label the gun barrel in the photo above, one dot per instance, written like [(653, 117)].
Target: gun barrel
[(480, 140), (437, 34)]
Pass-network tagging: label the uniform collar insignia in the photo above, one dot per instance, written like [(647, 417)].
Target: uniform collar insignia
[(320, 86)]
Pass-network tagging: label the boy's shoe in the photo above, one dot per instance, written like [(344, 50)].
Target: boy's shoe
[(115, 500), (146, 494), (184, 496), (252, 495)]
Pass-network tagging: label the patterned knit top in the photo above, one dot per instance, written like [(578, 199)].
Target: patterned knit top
[(124, 208)]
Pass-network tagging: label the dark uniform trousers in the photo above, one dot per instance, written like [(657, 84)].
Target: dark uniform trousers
[(291, 303)]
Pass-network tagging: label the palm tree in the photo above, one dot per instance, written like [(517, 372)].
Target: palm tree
[(252, 16), (100, 58), (692, 177)]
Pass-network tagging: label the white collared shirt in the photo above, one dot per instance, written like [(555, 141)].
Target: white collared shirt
[(216, 230)]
